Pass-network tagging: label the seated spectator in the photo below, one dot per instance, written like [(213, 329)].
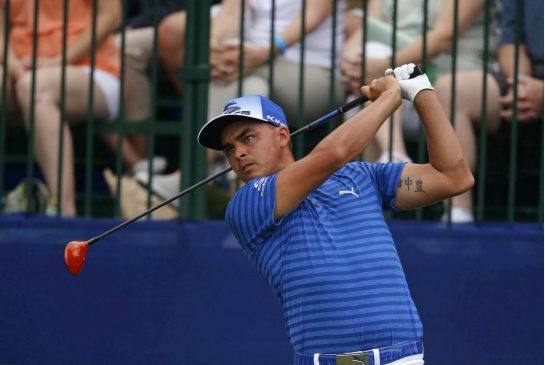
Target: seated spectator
[(15, 69), (47, 113), (172, 41), (138, 58), (224, 54), (500, 101), (530, 77), (257, 32), (439, 44)]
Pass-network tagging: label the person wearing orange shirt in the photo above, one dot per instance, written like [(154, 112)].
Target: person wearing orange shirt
[(47, 101)]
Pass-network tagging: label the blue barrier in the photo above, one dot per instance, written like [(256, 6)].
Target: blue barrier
[(184, 293)]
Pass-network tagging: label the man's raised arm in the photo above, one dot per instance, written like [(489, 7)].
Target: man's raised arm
[(448, 173)]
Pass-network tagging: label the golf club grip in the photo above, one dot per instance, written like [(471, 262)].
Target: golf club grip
[(419, 70), (352, 104)]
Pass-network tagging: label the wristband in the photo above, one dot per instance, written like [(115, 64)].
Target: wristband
[(280, 43)]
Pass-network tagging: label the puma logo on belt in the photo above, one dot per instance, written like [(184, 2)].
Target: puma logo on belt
[(351, 191)]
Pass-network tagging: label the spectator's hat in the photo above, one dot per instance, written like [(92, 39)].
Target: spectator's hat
[(253, 108)]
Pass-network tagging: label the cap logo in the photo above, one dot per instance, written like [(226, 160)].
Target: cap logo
[(274, 120), (233, 108)]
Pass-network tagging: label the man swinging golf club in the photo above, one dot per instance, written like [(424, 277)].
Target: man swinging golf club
[(315, 227)]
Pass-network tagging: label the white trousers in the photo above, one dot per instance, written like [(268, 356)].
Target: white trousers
[(409, 360)]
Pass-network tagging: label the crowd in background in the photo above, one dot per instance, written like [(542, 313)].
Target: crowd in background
[(322, 34)]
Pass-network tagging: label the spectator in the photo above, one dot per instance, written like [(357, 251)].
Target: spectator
[(137, 105), (14, 69), (139, 36), (439, 44), (318, 46), (530, 80), (318, 43), (138, 56), (224, 55), (469, 88), (47, 97), (224, 51), (172, 41), (352, 17)]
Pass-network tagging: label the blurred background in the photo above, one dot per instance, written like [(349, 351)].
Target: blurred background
[(101, 103)]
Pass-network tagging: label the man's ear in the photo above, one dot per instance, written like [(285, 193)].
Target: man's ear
[(284, 135)]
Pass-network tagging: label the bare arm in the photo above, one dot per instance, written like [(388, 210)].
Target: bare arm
[(439, 40), (298, 180), (15, 67), (225, 24), (316, 12), (530, 89), (224, 58), (440, 37), (353, 44), (448, 173), (108, 20), (506, 59)]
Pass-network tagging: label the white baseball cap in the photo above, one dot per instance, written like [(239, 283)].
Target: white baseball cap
[(253, 107)]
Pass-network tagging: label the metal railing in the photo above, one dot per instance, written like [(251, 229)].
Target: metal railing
[(503, 205)]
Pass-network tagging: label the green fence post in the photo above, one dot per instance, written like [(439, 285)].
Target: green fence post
[(271, 51), (241, 49), (481, 172), (186, 130), (120, 132), (300, 147), (391, 120), (540, 201), (153, 101), (364, 42), (331, 123), (4, 101), (453, 87), (195, 75), (421, 152), (62, 107), (514, 126), (90, 119), (30, 152)]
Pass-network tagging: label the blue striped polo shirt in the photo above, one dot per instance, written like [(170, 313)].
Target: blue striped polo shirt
[(332, 261)]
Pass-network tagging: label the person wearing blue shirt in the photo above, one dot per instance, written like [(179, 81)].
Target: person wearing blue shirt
[(530, 66), (314, 227)]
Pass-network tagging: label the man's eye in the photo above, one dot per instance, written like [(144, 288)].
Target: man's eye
[(228, 151), (248, 138)]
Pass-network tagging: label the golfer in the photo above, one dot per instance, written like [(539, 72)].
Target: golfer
[(315, 227)]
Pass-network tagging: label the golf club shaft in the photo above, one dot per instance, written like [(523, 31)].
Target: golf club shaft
[(340, 110)]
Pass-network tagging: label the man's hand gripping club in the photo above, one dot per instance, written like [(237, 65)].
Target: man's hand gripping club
[(409, 87)]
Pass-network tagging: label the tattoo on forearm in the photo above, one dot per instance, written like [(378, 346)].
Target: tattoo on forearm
[(408, 182), (419, 186)]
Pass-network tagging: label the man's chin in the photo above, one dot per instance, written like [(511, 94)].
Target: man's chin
[(251, 176)]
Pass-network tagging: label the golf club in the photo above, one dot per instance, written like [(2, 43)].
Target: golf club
[(75, 252)]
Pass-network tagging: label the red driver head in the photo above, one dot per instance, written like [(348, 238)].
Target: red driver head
[(74, 256)]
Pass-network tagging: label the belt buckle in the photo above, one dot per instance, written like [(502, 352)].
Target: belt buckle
[(352, 359)]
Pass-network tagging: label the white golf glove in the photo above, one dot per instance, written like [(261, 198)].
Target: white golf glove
[(409, 87)]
